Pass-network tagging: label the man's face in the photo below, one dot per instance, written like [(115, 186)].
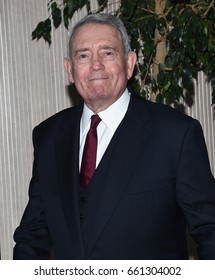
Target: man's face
[(99, 67)]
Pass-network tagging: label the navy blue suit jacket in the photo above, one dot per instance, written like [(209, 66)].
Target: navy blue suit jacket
[(153, 179)]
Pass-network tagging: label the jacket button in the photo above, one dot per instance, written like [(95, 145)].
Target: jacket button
[(83, 199), (82, 215)]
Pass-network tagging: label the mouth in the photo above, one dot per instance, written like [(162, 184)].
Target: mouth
[(97, 79)]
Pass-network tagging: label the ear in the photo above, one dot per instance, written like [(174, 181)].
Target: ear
[(131, 61), (68, 68)]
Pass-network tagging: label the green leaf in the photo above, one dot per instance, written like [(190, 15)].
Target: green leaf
[(38, 31), (213, 89), (47, 31), (177, 91), (53, 6), (43, 30), (128, 7), (187, 71), (151, 25), (175, 33), (211, 67), (66, 17), (56, 15), (159, 98), (71, 6), (167, 86)]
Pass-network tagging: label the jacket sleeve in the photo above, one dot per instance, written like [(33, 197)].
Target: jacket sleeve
[(32, 236), (195, 190)]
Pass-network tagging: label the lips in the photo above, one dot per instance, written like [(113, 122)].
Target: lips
[(97, 78)]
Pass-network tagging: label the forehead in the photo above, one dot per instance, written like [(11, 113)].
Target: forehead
[(96, 33)]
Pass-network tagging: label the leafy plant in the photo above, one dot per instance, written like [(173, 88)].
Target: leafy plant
[(174, 40)]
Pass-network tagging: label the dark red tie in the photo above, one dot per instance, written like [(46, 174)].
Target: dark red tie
[(88, 164)]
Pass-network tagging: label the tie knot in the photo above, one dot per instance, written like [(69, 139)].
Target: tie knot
[(95, 120)]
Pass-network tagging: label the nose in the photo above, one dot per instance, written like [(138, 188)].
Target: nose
[(96, 63)]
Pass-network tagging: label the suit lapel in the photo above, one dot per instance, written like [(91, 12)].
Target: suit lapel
[(68, 157), (114, 171)]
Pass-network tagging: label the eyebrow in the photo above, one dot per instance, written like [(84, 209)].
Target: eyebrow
[(81, 50), (107, 47), (102, 47)]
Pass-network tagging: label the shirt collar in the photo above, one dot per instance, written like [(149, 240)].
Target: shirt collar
[(111, 117), (114, 114)]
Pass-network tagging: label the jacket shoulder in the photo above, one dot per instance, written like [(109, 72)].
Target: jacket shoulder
[(62, 120), (162, 112)]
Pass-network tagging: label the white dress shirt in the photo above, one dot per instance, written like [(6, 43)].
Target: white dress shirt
[(110, 120)]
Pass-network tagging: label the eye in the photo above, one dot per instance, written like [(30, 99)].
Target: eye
[(82, 57), (108, 54)]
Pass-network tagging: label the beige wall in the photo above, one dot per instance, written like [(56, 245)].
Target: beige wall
[(33, 87)]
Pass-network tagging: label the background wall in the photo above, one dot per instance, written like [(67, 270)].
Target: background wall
[(33, 87)]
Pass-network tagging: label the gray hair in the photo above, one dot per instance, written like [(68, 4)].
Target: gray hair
[(106, 19)]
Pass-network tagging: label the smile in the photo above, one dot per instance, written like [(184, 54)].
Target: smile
[(97, 79)]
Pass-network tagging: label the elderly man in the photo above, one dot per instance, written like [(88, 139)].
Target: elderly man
[(116, 177)]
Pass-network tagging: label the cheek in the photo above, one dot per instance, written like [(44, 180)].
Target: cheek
[(121, 75), (79, 76), (120, 69)]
